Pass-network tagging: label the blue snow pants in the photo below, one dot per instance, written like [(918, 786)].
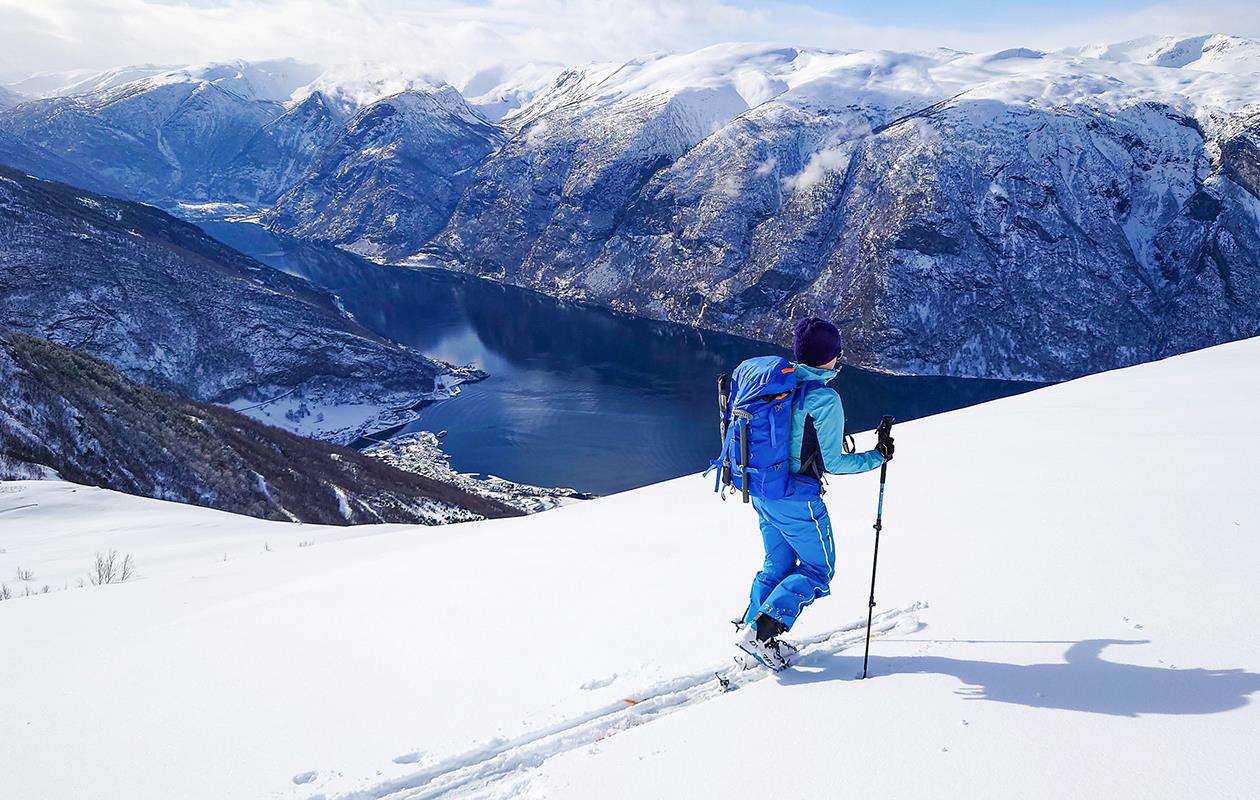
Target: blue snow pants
[(800, 558)]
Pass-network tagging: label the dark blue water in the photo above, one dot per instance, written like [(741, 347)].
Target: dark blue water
[(577, 396)]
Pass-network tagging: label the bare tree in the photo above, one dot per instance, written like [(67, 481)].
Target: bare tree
[(108, 569), (5, 594), (25, 574)]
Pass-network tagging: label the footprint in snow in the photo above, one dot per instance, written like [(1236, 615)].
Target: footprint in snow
[(305, 777), (599, 683), (408, 758)]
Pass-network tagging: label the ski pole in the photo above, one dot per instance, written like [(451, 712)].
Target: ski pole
[(885, 430)]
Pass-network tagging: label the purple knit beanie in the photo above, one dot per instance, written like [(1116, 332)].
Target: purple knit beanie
[(815, 341)]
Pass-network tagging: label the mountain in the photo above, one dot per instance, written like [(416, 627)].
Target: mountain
[(153, 140), (1208, 52), (80, 417), (392, 177), (160, 137), (84, 81), (1032, 609), (1016, 214), (279, 154), (30, 158), (174, 309), (276, 80)]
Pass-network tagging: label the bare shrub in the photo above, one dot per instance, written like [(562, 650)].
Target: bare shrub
[(306, 543), (108, 569), (25, 574), (5, 594), (12, 469)]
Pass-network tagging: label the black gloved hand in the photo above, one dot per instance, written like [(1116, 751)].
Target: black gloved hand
[(884, 431), (886, 448)]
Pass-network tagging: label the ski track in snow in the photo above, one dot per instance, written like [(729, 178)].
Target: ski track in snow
[(503, 759)]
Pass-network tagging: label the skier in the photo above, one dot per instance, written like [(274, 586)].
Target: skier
[(796, 531)]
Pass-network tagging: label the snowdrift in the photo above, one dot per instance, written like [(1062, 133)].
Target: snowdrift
[(1066, 596)]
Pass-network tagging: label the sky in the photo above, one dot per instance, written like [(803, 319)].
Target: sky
[(455, 39)]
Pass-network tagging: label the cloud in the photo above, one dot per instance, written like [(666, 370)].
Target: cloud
[(442, 37), (455, 40), (825, 162)]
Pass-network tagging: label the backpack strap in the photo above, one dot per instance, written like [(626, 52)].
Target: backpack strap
[(718, 462), (809, 467)]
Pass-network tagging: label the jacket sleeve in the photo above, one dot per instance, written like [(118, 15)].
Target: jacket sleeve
[(828, 414)]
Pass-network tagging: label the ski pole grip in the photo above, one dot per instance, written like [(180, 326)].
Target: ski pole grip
[(885, 428)]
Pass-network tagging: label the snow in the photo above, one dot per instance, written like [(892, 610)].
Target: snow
[(1207, 52), (1066, 593), (276, 80), (84, 81), (1219, 77), (42, 529), (352, 87), (499, 91)]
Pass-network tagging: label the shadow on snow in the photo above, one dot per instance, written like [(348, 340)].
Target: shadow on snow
[(1083, 681)]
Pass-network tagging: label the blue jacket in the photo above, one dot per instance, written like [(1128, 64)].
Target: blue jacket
[(818, 428)]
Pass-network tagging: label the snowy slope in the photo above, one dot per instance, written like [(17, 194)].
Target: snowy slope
[(9, 98), (1066, 594), (1207, 52)]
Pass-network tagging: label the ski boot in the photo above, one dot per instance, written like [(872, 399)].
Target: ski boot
[(761, 642)]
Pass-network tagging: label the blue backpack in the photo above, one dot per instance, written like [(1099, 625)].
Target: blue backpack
[(756, 425)]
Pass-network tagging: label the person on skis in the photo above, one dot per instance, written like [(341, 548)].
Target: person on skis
[(796, 530)]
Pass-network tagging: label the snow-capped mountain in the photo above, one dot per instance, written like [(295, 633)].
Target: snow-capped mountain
[(276, 80), (500, 91), (1017, 214), (174, 309), (391, 177), (154, 140), (1208, 52), (1030, 610), (160, 134), (85, 81), (69, 412)]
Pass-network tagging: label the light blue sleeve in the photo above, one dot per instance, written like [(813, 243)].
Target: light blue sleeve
[(828, 413)]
